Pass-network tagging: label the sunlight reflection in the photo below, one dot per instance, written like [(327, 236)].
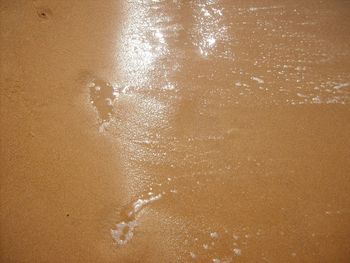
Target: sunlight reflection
[(144, 45), (147, 61), (209, 28)]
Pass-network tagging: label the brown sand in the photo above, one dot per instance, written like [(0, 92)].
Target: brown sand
[(175, 131)]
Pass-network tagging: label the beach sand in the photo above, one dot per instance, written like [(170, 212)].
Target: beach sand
[(175, 131)]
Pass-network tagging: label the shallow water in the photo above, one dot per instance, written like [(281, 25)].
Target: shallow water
[(175, 131)]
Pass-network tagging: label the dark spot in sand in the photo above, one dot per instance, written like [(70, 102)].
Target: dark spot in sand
[(44, 13)]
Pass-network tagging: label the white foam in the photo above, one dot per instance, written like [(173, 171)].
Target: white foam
[(341, 85), (237, 251), (214, 235), (124, 232), (259, 80), (140, 203), (193, 255)]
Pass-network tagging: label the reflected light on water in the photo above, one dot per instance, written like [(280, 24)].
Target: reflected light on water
[(209, 27), (144, 48), (146, 64)]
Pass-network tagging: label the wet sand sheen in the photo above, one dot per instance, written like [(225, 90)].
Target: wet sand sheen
[(175, 131)]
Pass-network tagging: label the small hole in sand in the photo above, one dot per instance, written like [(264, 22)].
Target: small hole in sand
[(44, 13)]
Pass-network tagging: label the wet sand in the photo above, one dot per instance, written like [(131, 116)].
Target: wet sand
[(175, 131)]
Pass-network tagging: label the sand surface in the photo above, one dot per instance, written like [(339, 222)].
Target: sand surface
[(175, 131)]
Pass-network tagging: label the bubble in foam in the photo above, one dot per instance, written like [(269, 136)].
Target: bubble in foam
[(214, 235), (237, 251)]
